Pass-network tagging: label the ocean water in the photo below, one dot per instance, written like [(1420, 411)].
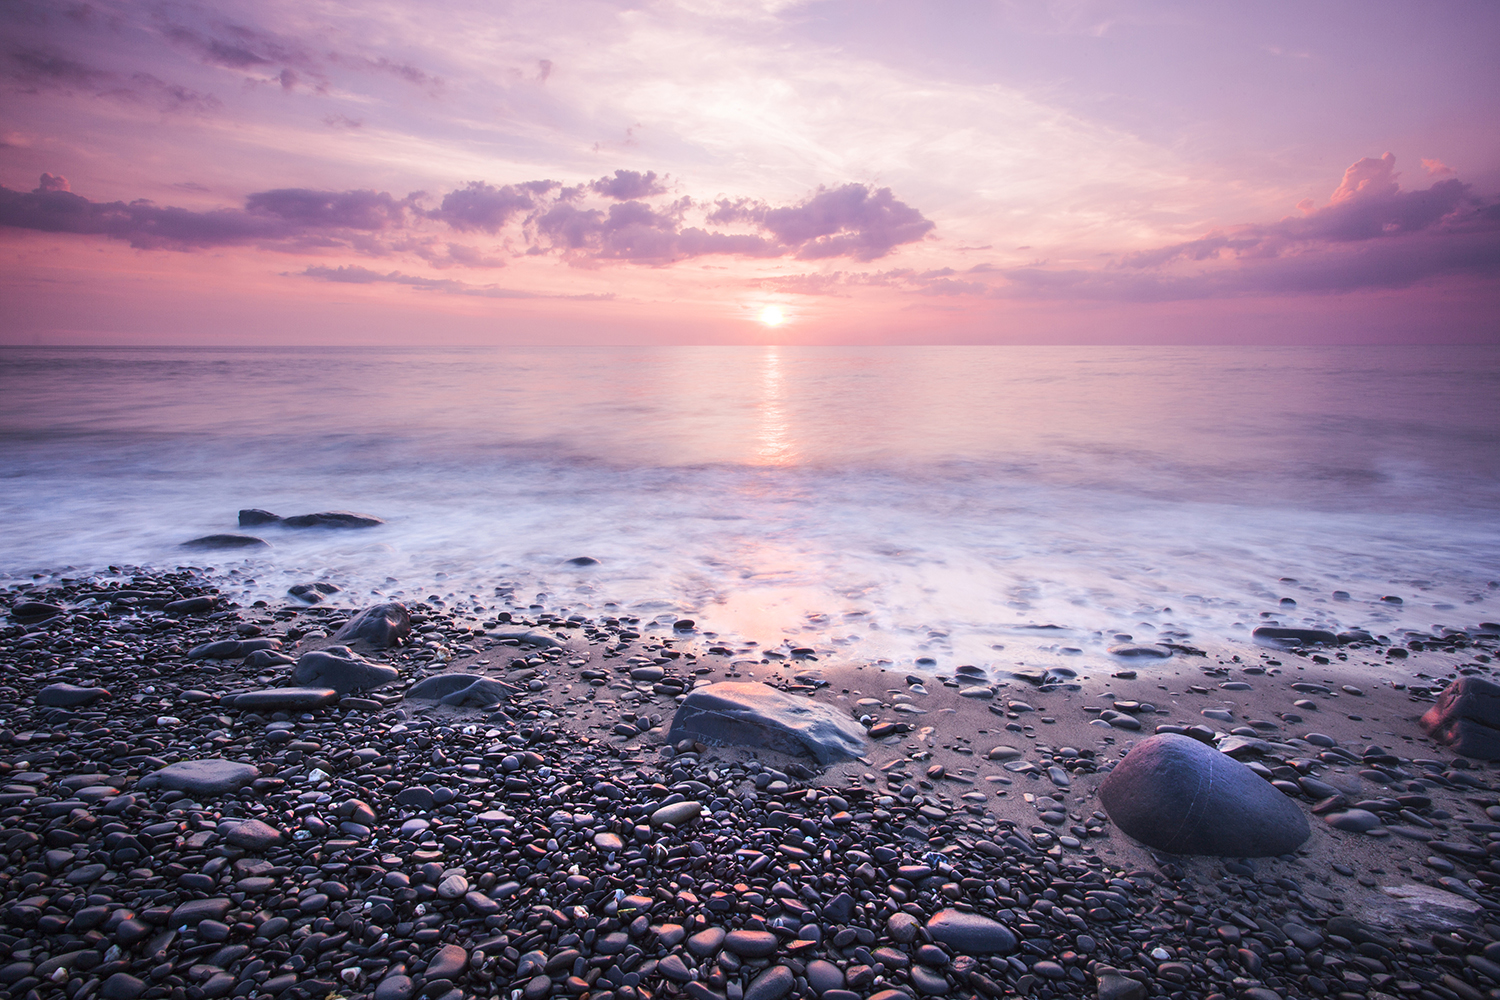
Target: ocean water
[(869, 502)]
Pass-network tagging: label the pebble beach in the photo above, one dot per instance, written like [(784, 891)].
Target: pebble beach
[(529, 829)]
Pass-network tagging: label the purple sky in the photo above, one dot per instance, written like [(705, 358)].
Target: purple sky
[(716, 172)]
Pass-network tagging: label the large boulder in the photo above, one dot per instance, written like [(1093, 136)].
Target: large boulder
[(379, 627), (757, 715), (342, 669), (1176, 794), (333, 519), (1467, 718), (208, 776)]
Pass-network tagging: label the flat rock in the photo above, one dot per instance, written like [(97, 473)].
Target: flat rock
[(195, 911), (342, 669), (677, 814), (379, 627), (460, 690), (971, 933), (1423, 909), (1466, 717), (1295, 636), (773, 984), (210, 543), (64, 695), (757, 715), (292, 698), (750, 944), (448, 963), (332, 519), (209, 776), (1176, 794), (1140, 651)]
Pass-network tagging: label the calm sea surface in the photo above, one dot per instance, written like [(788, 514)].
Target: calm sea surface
[(886, 501)]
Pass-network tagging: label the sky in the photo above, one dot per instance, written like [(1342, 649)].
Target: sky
[(760, 171)]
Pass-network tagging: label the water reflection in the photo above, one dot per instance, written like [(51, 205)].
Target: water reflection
[(774, 444)]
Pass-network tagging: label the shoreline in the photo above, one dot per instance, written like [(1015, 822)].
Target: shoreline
[(812, 871)]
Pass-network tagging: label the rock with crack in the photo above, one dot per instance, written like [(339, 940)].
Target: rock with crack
[(1176, 794), (757, 715)]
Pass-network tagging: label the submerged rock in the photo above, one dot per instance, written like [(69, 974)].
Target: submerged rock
[(209, 543), (757, 715), (313, 593), (1295, 636), (342, 669), (1140, 651), (1176, 794), (1467, 718), (333, 519), (378, 627), (253, 516)]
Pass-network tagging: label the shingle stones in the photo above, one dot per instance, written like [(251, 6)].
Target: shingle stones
[(342, 669), (1176, 794), (757, 715), (1467, 718)]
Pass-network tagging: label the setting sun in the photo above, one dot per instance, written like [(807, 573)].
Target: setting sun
[(771, 316)]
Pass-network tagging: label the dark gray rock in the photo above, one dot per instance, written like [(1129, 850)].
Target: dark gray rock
[(750, 944), (212, 543), (395, 987), (210, 776), (1466, 717), (260, 659), (332, 519), (342, 669), (232, 649), (970, 933), (253, 835), (253, 516), (64, 695), (122, 986), (313, 593), (532, 639), (1295, 636), (35, 609), (378, 627), (300, 699), (449, 962), (460, 690), (196, 910), (1140, 651), (1113, 986), (757, 715), (773, 984), (1176, 794)]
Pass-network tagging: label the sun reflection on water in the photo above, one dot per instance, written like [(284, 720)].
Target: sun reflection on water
[(774, 445)]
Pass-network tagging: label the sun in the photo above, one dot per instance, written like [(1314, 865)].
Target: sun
[(772, 316)]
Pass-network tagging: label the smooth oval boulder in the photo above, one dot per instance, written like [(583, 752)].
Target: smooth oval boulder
[(378, 627), (295, 698), (209, 776), (64, 695), (971, 934), (1178, 795), (1295, 636), (461, 690), (1466, 718), (342, 669), (677, 814), (213, 543), (738, 713)]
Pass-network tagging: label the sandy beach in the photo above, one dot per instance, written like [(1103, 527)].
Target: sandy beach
[(551, 843)]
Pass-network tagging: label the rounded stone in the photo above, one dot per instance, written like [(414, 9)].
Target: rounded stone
[(677, 814), (750, 944), (1176, 794), (971, 933), (773, 984)]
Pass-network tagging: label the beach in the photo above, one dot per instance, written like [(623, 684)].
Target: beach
[(548, 840)]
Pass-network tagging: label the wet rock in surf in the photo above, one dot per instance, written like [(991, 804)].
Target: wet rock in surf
[(378, 627), (582, 561), (1176, 794), (1279, 636), (231, 649), (1467, 718), (254, 516), (460, 690), (1140, 651), (35, 609), (532, 639), (313, 593), (333, 519), (751, 714), (211, 543), (342, 669)]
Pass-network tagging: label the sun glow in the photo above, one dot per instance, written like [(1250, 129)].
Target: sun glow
[(772, 316)]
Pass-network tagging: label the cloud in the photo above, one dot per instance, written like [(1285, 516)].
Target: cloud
[(628, 185), (483, 207), (353, 274), (42, 68), (364, 210)]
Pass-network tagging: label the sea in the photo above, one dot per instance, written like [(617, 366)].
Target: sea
[(939, 505)]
